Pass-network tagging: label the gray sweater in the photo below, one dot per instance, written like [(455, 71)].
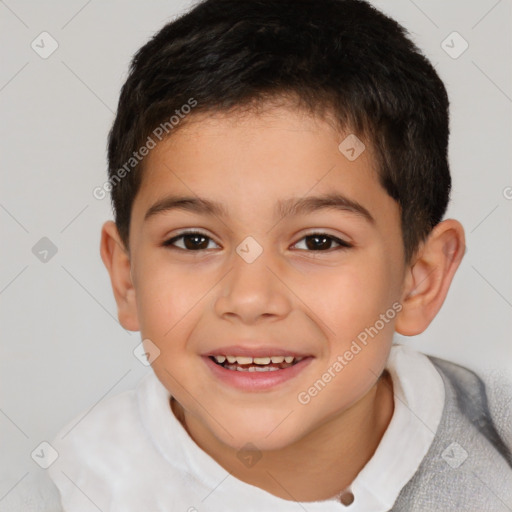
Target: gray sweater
[(469, 465), (467, 468)]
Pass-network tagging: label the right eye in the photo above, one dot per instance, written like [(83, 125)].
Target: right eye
[(190, 241)]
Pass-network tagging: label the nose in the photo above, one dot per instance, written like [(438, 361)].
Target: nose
[(252, 292)]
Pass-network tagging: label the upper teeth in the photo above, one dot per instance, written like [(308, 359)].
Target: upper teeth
[(254, 360)]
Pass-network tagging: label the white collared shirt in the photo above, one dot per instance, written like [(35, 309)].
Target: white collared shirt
[(132, 454)]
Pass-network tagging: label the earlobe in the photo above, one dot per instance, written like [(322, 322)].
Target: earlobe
[(429, 276), (117, 261)]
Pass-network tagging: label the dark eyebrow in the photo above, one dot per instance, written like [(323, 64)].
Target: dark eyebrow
[(293, 206), (311, 204), (191, 204)]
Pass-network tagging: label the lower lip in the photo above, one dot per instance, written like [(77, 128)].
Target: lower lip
[(256, 381)]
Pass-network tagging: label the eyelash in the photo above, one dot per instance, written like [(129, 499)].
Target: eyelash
[(342, 244)]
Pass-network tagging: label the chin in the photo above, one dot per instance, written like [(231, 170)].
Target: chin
[(264, 435)]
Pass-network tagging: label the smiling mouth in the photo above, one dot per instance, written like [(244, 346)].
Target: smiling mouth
[(255, 364)]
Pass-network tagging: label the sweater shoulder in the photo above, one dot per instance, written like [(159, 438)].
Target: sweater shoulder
[(469, 465)]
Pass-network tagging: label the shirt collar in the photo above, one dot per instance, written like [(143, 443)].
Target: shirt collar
[(403, 446)]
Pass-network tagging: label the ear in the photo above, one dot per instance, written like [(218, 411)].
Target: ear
[(429, 276), (117, 260)]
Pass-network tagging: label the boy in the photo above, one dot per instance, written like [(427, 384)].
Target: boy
[(279, 176)]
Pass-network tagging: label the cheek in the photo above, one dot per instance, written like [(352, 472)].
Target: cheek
[(364, 325), (166, 298), (357, 306), (359, 312), (353, 298)]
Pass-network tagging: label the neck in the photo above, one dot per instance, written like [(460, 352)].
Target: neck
[(331, 456)]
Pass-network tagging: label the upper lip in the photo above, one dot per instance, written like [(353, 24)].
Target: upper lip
[(259, 351)]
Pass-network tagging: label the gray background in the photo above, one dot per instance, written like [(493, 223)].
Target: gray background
[(62, 349)]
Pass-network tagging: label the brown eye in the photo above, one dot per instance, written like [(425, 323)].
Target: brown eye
[(192, 241), (322, 242)]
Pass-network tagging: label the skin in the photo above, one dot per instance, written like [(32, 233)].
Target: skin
[(292, 296)]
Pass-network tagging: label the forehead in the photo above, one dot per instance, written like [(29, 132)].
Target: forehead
[(255, 162)]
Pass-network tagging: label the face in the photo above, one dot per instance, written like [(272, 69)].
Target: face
[(256, 238)]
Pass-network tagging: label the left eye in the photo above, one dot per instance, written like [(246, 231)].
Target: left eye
[(322, 242)]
